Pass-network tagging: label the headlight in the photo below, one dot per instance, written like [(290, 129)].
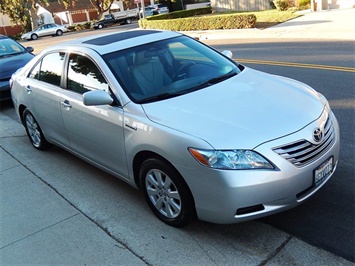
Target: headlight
[(231, 159)]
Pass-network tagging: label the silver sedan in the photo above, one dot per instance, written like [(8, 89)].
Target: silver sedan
[(50, 29), (201, 135)]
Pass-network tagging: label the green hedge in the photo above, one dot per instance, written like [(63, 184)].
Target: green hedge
[(213, 22)]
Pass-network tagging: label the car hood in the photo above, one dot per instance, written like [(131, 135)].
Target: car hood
[(241, 112), (10, 64)]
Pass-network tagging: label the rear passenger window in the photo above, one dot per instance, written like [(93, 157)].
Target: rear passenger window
[(84, 75), (49, 69)]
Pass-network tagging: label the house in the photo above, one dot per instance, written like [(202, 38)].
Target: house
[(240, 5), (258, 5)]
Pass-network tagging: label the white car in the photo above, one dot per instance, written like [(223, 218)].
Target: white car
[(149, 11), (50, 29), (160, 8), (199, 134)]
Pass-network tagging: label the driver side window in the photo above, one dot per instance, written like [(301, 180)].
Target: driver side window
[(84, 75)]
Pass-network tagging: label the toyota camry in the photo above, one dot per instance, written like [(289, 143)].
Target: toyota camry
[(200, 135)]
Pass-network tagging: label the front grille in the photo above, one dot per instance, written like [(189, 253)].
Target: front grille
[(303, 152)]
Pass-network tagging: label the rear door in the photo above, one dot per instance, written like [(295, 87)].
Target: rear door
[(95, 132), (43, 86)]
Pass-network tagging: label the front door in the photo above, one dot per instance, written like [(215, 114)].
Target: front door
[(95, 132)]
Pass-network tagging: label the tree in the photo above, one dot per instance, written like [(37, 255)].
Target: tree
[(126, 3), (22, 12), (101, 6)]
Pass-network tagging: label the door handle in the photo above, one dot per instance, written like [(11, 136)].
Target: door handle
[(28, 89), (66, 104)]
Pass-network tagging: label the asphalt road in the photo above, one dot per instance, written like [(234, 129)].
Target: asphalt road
[(327, 219)]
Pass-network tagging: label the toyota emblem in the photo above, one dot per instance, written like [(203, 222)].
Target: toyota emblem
[(317, 134)]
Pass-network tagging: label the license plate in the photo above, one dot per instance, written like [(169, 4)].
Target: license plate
[(322, 172)]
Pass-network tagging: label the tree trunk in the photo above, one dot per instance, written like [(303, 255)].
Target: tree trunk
[(34, 21)]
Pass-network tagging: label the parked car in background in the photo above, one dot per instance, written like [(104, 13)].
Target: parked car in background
[(110, 20), (149, 11), (12, 56), (152, 10), (161, 8), (198, 133), (50, 29)]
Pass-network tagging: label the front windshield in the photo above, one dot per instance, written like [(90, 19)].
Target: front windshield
[(168, 68), (10, 47)]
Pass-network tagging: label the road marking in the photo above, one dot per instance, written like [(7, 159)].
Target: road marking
[(261, 62)]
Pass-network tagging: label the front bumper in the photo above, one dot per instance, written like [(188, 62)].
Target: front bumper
[(231, 196)]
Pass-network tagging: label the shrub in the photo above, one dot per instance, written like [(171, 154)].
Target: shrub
[(304, 4), (78, 27), (281, 5), (215, 22)]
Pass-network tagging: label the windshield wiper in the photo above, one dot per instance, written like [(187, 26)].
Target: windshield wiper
[(221, 78), (213, 81), (12, 54), (160, 97)]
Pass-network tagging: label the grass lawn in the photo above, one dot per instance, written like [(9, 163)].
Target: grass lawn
[(269, 18)]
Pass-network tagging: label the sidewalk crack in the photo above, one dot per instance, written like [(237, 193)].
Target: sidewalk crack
[(41, 230), (276, 251)]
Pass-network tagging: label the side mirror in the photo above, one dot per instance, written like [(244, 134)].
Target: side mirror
[(228, 53), (30, 49), (97, 97)]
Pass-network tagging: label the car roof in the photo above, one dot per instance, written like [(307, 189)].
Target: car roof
[(110, 42), (3, 37)]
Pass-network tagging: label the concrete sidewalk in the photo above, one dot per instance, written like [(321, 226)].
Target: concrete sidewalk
[(332, 24)]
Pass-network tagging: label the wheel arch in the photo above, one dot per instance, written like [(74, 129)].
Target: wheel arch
[(21, 110), (140, 158), (144, 155)]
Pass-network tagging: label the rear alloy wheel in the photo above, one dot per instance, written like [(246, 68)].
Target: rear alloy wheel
[(166, 193), (34, 131), (128, 21)]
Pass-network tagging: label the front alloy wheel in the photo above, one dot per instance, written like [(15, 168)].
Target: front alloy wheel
[(163, 193), (34, 131), (166, 193)]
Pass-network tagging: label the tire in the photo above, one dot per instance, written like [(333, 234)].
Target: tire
[(128, 21), (34, 37), (34, 132), (59, 33), (100, 26), (166, 193)]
